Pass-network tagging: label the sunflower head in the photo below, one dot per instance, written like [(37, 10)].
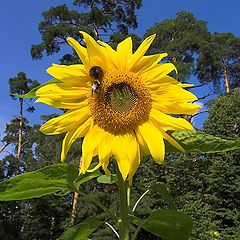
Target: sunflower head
[(120, 102)]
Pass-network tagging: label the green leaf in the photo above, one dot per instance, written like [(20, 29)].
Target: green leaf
[(107, 179), (200, 142), (86, 177), (48, 180), (162, 189), (167, 224), (32, 93), (82, 230)]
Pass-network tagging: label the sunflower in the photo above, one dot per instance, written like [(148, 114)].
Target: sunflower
[(120, 102)]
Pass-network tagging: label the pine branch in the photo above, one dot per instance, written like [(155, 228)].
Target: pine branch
[(194, 115), (204, 97), (4, 147)]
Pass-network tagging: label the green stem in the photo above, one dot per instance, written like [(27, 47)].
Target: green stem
[(134, 237), (123, 202)]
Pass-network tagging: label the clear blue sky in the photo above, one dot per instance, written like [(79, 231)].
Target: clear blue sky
[(19, 29)]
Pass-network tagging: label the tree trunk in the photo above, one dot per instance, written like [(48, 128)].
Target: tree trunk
[(74, 208), (20, 132), (75, 202), (226, 80)]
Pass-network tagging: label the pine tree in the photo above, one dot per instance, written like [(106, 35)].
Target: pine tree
[(219, 62), (182, 38), (101, 19), (20, 85), (223, 173), (16, 135)]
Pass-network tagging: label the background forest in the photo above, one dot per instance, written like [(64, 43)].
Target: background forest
[(205, 186)]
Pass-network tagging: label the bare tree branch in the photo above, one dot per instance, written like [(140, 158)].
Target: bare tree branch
[(4, 147), (205, 96), (200, 112)]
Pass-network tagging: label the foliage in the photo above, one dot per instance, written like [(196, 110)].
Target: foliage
[(224, 117), (100, 18), (213, 58), (11, 130), (224, 171), (21, 84), (182, 38), (82, 230), (220, 59), (45, 217), (207, 186)]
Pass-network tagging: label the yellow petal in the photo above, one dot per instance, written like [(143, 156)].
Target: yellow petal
[(96, 55), (67, 122), (113, 63), (62, 95), (175, 107), (63, 71), (154, 139), (105, 149), (90, 146), (172, 92), (158, 72), (105, 165), (74, 75), (126, 151), (171, 140), (172, 99), (147, 62), (142, 144), (156, 83), (186, 85), (168, 122), (62, 90), (72, 136), (94, 168), (64, 103), (135, 162), (141, 51), (124, 52), (81, 52)]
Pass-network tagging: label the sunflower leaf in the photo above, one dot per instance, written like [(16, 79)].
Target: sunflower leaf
[(200, 142), (167, 224), (162, 189), (48, 180), (107, 179), (32, 93), (82, 230), (86, 177)]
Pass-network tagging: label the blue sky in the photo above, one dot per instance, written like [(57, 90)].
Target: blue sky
[(19, 29)]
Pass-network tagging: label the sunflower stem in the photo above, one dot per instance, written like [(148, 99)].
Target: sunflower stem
[(123, 207)]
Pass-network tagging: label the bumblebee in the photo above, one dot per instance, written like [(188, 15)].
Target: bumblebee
[(95, 85), (96, 73)]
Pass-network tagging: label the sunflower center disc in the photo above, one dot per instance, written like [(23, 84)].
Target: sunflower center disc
[(121, 104), (121, 98)]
